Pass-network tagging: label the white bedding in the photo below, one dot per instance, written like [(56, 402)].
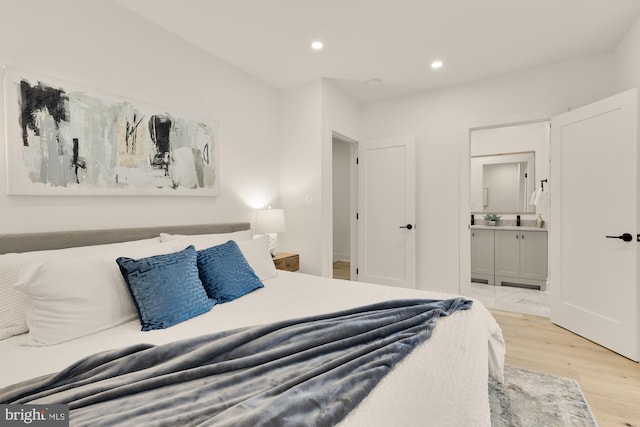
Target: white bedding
[(443, 382)]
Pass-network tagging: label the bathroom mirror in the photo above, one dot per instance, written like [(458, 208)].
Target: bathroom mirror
[(502, 183)]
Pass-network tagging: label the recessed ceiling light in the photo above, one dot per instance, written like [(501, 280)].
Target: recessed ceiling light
[(317, 45), (436, 64)]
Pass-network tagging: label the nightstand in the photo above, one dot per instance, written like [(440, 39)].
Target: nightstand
[(286, 261)]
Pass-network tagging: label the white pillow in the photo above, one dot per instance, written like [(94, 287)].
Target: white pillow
[(12, 317), (204, 241), (256, 251), (77, 296), (12, 310)]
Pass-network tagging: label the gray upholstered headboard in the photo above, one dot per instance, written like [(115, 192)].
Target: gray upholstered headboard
[(67, 239)]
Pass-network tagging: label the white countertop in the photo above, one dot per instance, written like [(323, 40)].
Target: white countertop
[(505, 227)]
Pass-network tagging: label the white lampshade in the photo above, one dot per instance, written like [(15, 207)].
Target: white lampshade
[(270, 221)]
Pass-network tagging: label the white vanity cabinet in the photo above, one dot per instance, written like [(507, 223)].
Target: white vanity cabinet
[(509, 256), (521, 258), (482, 256)]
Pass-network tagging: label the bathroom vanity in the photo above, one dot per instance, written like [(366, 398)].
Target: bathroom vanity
[(509, 256)]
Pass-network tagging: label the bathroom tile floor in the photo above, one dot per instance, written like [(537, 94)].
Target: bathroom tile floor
[(519, 300), (506, 298)]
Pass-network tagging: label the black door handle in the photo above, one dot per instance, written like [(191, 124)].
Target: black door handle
[(408, 226), (626, 237)]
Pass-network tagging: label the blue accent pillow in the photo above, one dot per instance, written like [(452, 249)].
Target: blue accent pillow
[(165, 288), (225, 272)]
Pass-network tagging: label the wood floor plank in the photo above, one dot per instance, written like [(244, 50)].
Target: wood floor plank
[(610, 382), (342, 270)]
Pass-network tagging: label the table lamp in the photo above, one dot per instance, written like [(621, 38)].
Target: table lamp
[(271, 222)]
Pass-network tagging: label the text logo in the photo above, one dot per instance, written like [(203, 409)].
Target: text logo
[(34, 415)]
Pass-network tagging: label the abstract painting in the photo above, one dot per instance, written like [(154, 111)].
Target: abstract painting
[(66, 140)]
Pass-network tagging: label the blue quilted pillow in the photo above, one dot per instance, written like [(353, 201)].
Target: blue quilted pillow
[(225, 272), (166, 288)]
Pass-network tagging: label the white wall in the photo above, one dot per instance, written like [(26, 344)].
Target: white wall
[(340, 115), (300, 174), (312, 112), (441, 120), (103, 46), (627, 60)]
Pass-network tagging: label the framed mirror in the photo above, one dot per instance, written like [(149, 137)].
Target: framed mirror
[(502, 183)]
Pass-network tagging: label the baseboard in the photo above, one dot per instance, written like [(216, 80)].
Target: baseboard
[(341, 257)]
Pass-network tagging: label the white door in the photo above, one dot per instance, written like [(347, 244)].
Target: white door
[(594, 194), (386, 211)]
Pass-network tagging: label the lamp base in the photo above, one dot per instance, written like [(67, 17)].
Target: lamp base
[(273, 243)]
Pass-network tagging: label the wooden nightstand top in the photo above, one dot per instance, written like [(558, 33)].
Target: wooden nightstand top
[(287, 261)]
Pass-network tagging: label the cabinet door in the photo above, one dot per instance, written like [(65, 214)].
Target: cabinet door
[(507, 262), (533, 255), (482, 254)]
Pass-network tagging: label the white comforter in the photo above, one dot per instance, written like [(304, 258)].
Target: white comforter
[(442, 383)]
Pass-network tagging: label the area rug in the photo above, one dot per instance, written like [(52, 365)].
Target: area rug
[(533, 399)]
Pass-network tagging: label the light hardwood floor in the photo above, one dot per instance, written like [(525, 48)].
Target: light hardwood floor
[(610, 382), (341, 270)]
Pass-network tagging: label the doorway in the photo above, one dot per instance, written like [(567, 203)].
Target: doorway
[(344, 207), (508, 262), (373, 208)]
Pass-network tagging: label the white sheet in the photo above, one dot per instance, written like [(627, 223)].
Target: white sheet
[(443, 382)]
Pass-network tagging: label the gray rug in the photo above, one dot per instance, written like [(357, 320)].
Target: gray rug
[(533, 399)]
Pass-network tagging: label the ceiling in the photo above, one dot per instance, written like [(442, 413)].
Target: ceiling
[(393, 41)]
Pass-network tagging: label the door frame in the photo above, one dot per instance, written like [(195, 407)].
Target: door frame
[(353, 200), (464, 242)]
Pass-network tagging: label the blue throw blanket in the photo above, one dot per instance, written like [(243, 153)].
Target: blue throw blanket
[(309, 371)]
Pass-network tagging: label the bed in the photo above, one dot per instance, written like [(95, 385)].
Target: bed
[(68, 312)]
